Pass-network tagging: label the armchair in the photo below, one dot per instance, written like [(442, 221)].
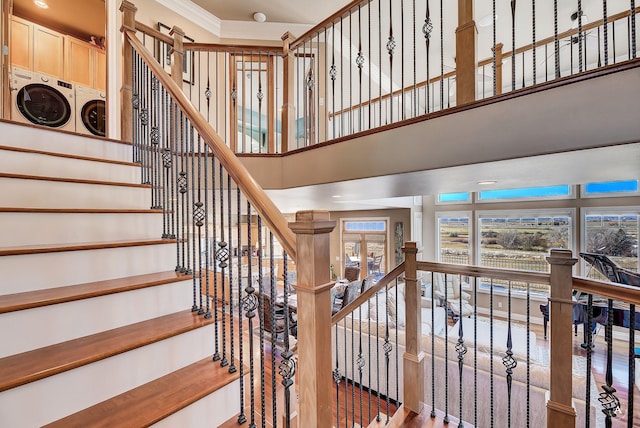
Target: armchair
[(457, 302), (274, 321)]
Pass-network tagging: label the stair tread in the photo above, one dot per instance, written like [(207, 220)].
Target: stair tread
[(233, 422), (19, 369), (58, 248), (73, 180), (155, 400), (51, 296), (66, 155)]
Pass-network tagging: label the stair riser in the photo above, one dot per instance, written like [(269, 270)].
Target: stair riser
[(46, 140), (12, 162), (19, 229), (212, 410), (40, 327), (55, 194), (53, 398), (39, 271)]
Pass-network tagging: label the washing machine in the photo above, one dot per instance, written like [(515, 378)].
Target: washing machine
[(42, 100), (90, 111)]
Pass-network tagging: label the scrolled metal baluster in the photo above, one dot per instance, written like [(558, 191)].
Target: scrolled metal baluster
[(182, 186), (533, 48), (610, 403), (605, 32), (272, 289), (513, 45), (222, 255), (251, 303), (232, 363), (332, 74), (475, 352), (433, 354), (446, 354), (461, 350), (427, 28), (207, 250), (580, 35), (632, 365), (491, 352), (263, 395), (441, 56), (214, 240), (508, 360), (556, 41), (287, 367), (391, 45), (360, 361), (336, 378), (240, 300), (589, 349), (360, 63), (199, 218), (633, 28), (528, 411)]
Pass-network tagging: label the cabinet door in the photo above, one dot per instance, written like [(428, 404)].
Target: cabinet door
[(100, 70), (79, 62), (21, 42), (48, 50)]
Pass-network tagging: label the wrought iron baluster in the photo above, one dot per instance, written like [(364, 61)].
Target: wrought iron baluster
[(370, 110), (632, 16), (528, 410), (446, 352), (214, 242), (232, 286), (360, 64), (391, 45), (336, 378), (632, 365), (223, 257), (427, 28), (433, 350), (378, 389), (263, 396), (461, 350), (475, 351), (605, 32), (199, 218), (491, 394), (533, 48), (580, 35), (182, 185), (441, 56), (207, 249), (251, 303), (508, 360), (360, 361), (387, 347), (401, 103), (513, 45), (272, 289), (288, 364), (241, 416), (353, 373), (610, 403), (351, 128), (332, 74), (556, 41), (589, 349)]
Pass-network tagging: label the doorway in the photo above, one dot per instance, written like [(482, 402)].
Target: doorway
[(365, 245)]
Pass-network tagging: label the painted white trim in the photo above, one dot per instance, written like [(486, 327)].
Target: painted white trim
[(195, 14)]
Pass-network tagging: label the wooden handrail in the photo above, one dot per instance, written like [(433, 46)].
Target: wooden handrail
[(251, 189), (154, 33), (620, 292), (364, 297), (241, 49), (485, 272)]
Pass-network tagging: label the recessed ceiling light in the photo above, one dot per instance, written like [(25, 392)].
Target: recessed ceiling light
[(42, 4), (336, 196), (259, 17), (486, 20), (487, 182)]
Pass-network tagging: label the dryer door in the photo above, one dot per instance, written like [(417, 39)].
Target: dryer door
[(43, 105), (93, 117)]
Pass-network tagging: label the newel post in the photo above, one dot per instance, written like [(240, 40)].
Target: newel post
[(466, 53), (312, 229), (413, 356), (560, 412), (288, 104), (128, 10), (177, 55)]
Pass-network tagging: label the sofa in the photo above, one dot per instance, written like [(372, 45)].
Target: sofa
[(441, 364)]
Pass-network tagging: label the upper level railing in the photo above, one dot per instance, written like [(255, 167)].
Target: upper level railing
[(379, 62)]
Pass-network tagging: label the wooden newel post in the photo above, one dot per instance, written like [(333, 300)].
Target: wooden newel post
[(177, 55), (413, 356), (312, 229), (288, 104), (126, 112), (466, 53), (560, 413)]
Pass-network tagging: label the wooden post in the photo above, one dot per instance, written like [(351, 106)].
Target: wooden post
[(560, 412), (466, 53), (5, 92), (413, 355), (312, 229), (177, 55), (499, 47), (126, 113), (288, 103)]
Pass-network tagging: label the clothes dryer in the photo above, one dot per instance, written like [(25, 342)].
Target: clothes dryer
[(42, 100), (90, 111)]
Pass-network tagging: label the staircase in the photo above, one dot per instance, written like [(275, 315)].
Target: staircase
[(97, 328)]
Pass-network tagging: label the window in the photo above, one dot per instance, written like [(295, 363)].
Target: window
[(610, 188), (454, 198), (364, 245), (453, 238), (526, 193), (522, 240), (613, 232)]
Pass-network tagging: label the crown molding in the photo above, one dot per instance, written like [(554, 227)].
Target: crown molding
[(260, 30), (195, 14)]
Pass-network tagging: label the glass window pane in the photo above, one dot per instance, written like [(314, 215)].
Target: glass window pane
[(615, 235), (612, 187), (454, 240), (526, 192)]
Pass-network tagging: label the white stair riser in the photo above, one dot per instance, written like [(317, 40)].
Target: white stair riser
[(19, 229), (39, 271), (216, 408), (58, 194), (55, 397), (12, 162), (40, 327), (29, 137)]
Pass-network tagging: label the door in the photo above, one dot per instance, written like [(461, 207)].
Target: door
[(364, 245)]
